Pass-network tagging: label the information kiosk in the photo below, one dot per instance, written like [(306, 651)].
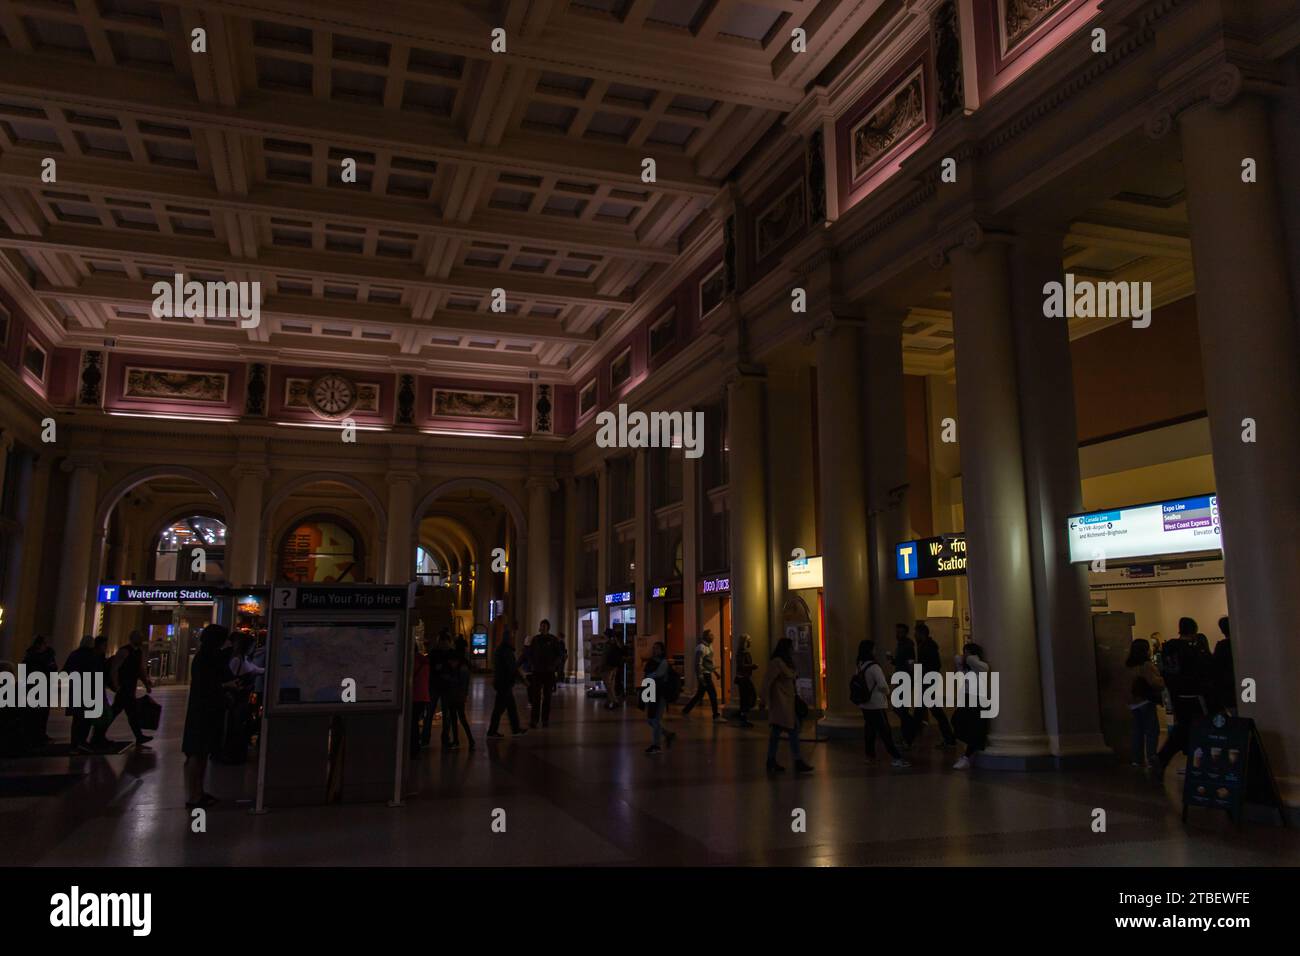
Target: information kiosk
[(338, 698)]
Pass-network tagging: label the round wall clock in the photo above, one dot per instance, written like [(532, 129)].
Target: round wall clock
[(332, 395)]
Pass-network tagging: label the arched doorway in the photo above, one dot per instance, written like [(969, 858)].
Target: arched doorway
[(161, 526), (323, 527), (466, 534)]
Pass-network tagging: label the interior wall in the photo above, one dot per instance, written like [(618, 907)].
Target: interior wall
[(1127, 379), (1159, 608)]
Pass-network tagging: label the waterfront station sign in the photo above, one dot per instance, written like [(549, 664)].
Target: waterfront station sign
[(131, 594), (940, 557), (1180, 526)]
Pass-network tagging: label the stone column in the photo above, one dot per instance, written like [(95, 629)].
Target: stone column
[(641, 549), (33, 509), (1049, 433), (568, 607), (6, 445), (602, 545), (538, 574), (246, 523), (691, 502), (999, 574), (1250, 351), (747, 471), (79, 535), (886, 470), (399, 559), (841, 439)]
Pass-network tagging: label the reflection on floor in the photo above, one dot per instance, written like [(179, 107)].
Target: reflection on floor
[(582, 792)]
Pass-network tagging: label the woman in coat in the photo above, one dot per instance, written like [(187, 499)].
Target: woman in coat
[(874, 721), (206, 712), (782, 714), (967, 722), (1145, 692)]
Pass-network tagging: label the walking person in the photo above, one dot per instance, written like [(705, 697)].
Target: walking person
[(873, 690), (205, 714), (931, 661), (783, 706), (87, 660), (704, 677), (421, 717), (541, 684), (902, 658), (125, 673), (1187, 680), (745, 668), (457, 696), (969, 725), (1145, 693), (614, 658), (505, 672), (658, 669)]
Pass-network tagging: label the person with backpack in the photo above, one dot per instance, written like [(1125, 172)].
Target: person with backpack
[(1146, 691), (545, 654), (704, 677), (1188, 684), (125, 673), (784, 706), (666, 687), (505, 672), (614, 656), (745, 668), (869, 689)]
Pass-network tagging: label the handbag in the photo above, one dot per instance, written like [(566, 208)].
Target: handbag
[(800, 707), (148, 712)]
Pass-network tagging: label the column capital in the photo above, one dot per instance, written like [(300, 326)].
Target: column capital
[(251, 469), (970, 236), (542, 481), (724, 204), (1220, 83), (83, 460), (6, 439), (398, 476)]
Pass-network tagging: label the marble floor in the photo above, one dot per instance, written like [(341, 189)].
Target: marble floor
[(582, 792)]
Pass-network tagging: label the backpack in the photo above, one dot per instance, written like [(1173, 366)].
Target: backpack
[(859, 693)]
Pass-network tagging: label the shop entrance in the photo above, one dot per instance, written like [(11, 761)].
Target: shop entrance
[(715, 616)]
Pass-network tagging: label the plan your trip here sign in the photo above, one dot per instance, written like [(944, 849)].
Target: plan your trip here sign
[(940, 557), (1180, 526)]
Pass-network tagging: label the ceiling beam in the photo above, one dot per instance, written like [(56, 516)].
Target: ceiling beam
[(331, 266), (358, 207), (128, 292), (52, 80)]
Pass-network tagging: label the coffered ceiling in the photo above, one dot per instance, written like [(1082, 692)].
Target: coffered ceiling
[(476, 170)]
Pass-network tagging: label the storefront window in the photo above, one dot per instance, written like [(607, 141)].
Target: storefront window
[(191, 549), (321, 550)]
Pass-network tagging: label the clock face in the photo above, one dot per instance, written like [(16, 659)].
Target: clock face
[(332, 396)]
